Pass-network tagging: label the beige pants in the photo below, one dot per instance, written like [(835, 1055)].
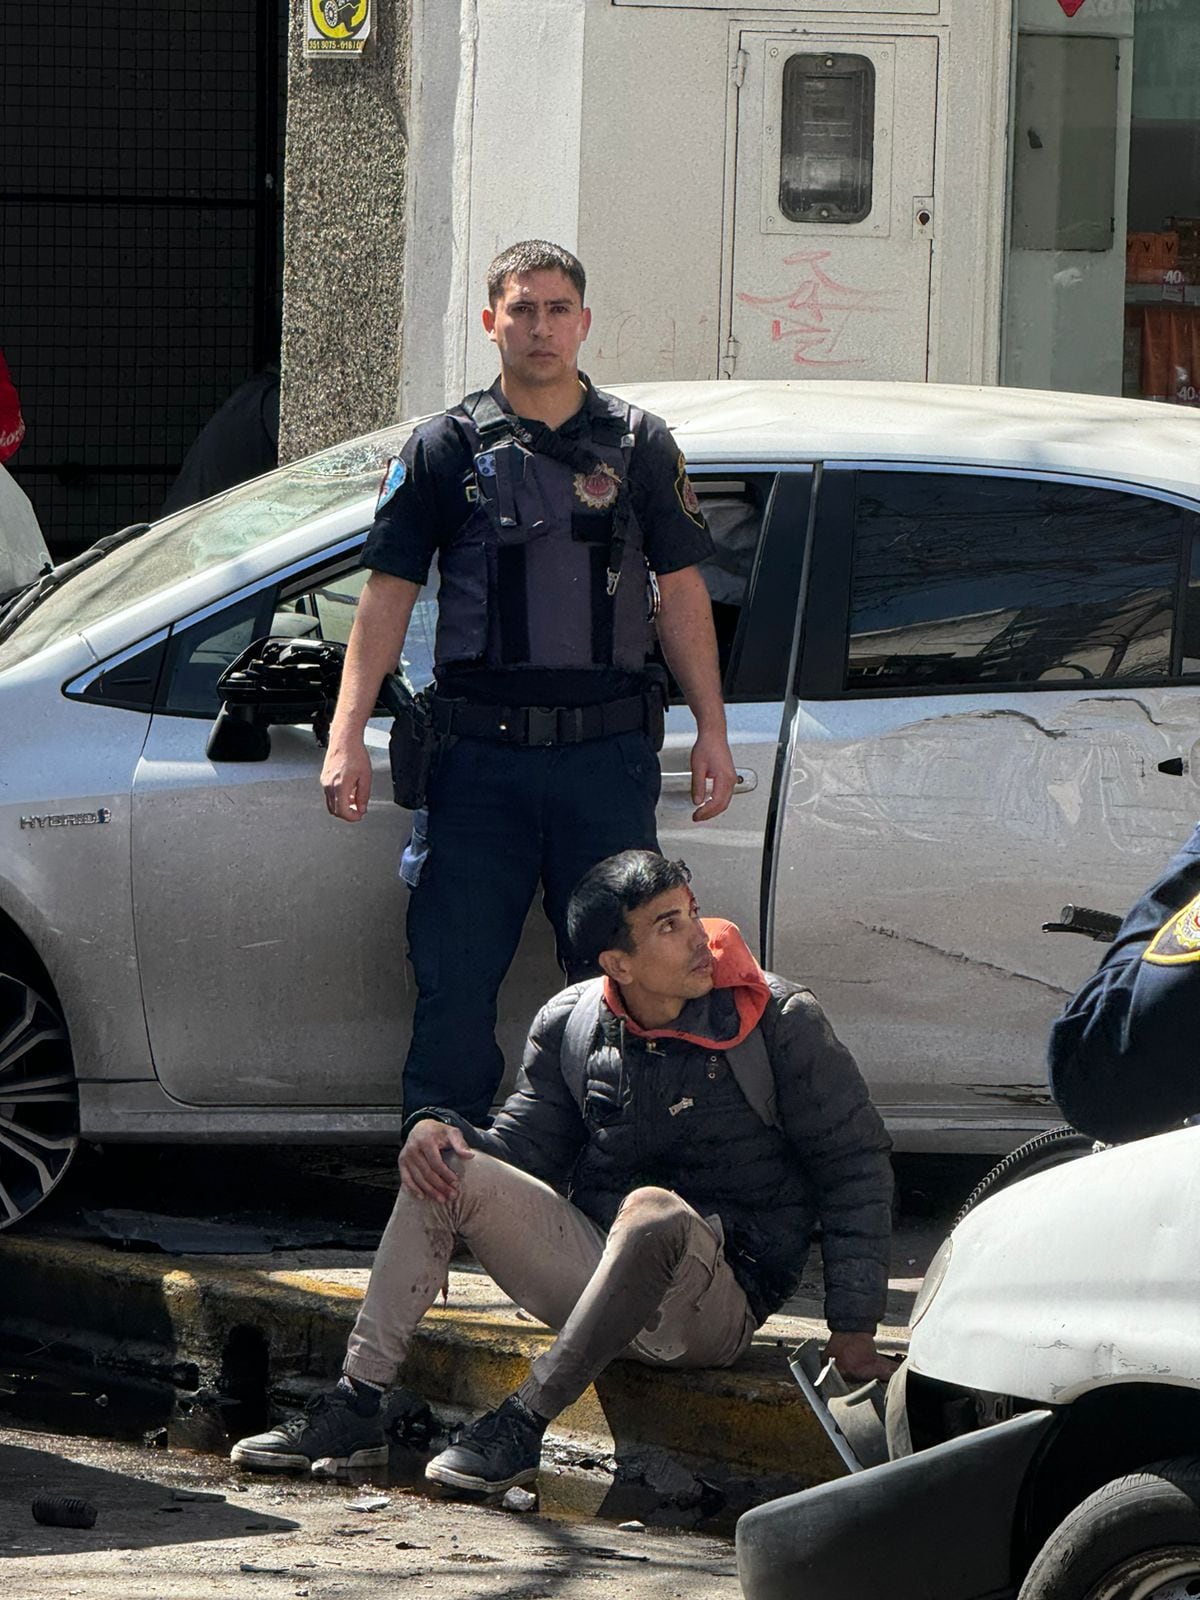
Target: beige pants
[(656, 1288)]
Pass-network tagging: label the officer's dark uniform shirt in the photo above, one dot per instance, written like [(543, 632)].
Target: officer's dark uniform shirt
[(431, 505), (1123, 1055)]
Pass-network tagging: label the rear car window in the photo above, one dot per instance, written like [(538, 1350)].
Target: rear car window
[(964, 579)]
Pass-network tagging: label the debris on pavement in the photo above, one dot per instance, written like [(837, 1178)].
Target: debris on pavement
[(369, 1502), (519, 1500), (631, 1527), (63, 1511)]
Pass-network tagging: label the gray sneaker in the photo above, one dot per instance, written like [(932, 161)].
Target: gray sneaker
[(329, 1428), (497, 1452)]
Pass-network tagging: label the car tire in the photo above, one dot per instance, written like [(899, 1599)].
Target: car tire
[(39, 1098), (1039, 1154), (1137, 1538)]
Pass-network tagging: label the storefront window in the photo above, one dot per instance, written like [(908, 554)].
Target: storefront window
[(1102, 289)]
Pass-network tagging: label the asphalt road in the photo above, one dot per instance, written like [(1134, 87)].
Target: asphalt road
[(348, 1190), (277, 1538)]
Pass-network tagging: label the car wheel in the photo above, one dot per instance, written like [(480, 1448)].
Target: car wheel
[(1039, 1154), (39, 1101), (1137, 1538)]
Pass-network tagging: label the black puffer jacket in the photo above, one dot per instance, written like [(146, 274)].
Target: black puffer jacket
[(669, 1113)]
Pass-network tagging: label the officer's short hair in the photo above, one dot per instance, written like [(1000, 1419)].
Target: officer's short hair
[(600, 903), (534, 255)]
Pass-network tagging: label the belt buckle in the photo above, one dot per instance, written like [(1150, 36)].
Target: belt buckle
[(541, 725)]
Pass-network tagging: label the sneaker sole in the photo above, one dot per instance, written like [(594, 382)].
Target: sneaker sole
[(464, 1480), (274, 1461)]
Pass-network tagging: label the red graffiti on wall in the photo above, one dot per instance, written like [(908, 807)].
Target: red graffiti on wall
[(815, 314)]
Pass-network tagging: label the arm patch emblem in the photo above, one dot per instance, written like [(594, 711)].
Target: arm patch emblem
[(395, 475), (689, 501), (1177, 940)]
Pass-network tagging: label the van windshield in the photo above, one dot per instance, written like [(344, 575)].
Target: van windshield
[(205, 536)]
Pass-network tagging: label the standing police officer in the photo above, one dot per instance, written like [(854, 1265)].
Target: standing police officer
[(563, 521)]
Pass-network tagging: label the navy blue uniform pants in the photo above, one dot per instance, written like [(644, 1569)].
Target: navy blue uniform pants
[(501, 819)]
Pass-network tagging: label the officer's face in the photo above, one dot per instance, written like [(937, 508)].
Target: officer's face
[(537, 325), (670, 959)]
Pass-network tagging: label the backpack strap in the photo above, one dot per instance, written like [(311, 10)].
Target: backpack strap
[(750, 1063), (578, 1037)]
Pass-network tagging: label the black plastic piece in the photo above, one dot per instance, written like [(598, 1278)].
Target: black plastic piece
[(1102, 926), (937, 1525), (290, 681), (63, 1511)]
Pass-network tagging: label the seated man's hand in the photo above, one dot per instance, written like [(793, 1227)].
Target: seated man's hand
[(856, 1358), (424, 1172)]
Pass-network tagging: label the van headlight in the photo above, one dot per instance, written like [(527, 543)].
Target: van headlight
[(932, 1282)]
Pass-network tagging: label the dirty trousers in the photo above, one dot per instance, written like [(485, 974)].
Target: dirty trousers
[(656, 1288)]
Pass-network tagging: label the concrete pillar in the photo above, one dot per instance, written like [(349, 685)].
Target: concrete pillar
[(345, 177)]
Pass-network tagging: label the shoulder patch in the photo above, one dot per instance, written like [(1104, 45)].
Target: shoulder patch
[(689, 501), (395, 475), (1177, 940)]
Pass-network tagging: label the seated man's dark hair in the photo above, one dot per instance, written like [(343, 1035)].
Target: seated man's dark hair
[(534, 255), (602, 899)]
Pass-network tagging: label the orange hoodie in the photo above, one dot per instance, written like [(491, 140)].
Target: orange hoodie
[(733, 968)]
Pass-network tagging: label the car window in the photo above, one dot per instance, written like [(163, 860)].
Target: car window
[(325, 609), (960, 579), (199, 654), (1190, 622), (319, 606), (733, 508)]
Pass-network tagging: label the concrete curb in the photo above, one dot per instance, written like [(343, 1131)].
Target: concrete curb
[(217, 1327)]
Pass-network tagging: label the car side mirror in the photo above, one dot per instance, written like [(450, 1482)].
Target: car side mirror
[(275, 680)]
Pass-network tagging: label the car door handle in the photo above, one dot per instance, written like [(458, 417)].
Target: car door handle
[(681, 782)]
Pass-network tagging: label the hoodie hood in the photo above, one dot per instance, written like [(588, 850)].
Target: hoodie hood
[(734, 970)]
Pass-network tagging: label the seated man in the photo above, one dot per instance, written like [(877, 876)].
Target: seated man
[(703, 1119), (1121, 1062)]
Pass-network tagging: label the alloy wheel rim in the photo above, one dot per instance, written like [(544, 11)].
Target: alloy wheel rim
[(39, 1100)]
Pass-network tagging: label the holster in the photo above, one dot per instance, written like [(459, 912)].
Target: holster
[(656, 705), (414, 744)]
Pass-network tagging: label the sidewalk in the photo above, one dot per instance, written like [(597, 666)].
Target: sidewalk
[(216, 1339)]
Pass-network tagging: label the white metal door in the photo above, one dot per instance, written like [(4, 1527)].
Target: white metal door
[(833, 207)]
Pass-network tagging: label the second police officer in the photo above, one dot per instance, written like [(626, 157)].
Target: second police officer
[(563, 521)]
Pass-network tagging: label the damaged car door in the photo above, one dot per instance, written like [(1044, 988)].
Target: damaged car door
[(270, 941), (994, 718)]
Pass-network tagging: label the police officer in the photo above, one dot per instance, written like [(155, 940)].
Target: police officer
[(563, 521), (1123, 1053)]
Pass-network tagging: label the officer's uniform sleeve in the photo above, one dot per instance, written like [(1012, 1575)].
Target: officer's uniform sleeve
[(668, 510), (1122, 1056), (422, 501)]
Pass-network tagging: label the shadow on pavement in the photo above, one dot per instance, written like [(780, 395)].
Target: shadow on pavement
[(132, 1513)]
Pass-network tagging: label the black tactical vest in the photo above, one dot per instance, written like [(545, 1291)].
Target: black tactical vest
[(549, 569)]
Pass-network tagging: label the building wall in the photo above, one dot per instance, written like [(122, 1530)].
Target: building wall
[(344, 235), (613, 129)]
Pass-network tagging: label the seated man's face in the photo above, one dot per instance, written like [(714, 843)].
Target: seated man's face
[(670, 956)]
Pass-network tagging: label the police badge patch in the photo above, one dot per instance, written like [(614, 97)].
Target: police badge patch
[(392, 479), (598, 488), (1177, 940), (688, 499)]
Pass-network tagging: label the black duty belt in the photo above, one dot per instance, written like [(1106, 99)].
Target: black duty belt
[(544, 724)]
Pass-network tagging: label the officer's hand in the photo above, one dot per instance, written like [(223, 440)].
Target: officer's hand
[(856, 1358), (713, 776), (346, 780), (424, 1172)]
